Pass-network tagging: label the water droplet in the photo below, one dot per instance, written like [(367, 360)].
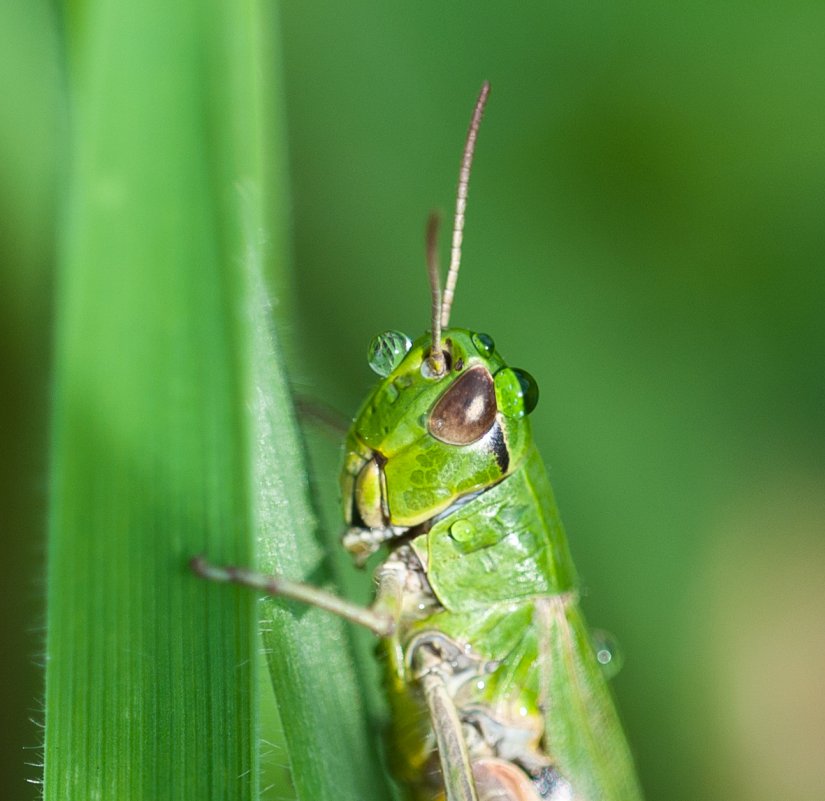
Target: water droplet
[(386, 351), (481, 684), (484, 344), (529, 389), (608, 652), (461, 531), (517, 392)]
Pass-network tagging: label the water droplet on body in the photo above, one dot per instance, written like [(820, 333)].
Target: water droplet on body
[(608, 652), (461, 531), (484, 344), (517, 392)]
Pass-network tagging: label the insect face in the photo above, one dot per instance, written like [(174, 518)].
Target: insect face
[(423, 440)]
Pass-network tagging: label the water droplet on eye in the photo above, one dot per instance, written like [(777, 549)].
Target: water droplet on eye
[(608, 652), (529, 389), (480, 684), (517, 392), (461, 531), (386, 351), (484, 344)]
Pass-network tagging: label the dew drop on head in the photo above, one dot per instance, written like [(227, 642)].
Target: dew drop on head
[(386, 351)]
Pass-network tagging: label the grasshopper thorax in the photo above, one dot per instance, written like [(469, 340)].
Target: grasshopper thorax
[(422, 442)]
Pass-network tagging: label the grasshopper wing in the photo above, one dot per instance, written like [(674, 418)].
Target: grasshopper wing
[(583, 733)]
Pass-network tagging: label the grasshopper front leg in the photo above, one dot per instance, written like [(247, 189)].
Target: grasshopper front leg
[(381, 618)]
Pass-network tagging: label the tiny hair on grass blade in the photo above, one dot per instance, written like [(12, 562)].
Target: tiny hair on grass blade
[(494, 685)]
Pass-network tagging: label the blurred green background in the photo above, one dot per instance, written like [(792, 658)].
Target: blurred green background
[(644, 235)]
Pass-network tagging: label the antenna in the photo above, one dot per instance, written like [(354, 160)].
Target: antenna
[(461, 204), (436, 357)]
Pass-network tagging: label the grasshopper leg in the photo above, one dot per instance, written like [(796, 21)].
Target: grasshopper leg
[(467, 779), (452, 747), (380, 618), (434, 660)]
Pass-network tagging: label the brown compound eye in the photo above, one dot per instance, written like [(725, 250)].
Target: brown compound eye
[(467, 410)]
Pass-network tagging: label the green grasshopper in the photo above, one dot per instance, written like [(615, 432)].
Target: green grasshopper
[(495, 689)]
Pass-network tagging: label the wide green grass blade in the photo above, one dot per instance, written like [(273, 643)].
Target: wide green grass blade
[(150, 688)]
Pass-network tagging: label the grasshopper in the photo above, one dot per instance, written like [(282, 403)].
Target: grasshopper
[(494, 686)]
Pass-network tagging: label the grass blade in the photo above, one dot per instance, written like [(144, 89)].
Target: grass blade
[(150, 688), (331, 752)]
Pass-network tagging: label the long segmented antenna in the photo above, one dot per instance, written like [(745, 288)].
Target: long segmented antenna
[(436, 358), (461, 204)]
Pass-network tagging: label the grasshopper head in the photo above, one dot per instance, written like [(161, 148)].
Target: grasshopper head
[(425, 440), (447, 421)]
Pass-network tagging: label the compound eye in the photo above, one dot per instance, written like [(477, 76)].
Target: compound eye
[(467, 410), (386, 351)]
